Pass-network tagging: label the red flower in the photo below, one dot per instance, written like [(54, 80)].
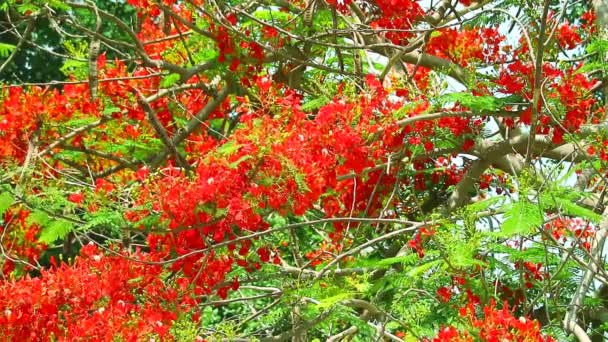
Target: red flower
[(142, 174), (468, 144), (444, 293), (264, 254), (270, 32), (103, 185), (76, 198)]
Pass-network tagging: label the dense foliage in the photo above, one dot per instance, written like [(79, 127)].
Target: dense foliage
[(311, 170)]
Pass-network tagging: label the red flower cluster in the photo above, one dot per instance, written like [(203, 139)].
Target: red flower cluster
[(22, 113), (100, 296), (398, 16), (19, 240), (567, 36), (279, 164), (495, 325), (466, 46), (571, 89)]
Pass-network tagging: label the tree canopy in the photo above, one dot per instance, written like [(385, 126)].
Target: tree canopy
[(307, 170)]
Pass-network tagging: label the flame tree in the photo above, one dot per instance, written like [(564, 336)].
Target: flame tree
[(303, 170)]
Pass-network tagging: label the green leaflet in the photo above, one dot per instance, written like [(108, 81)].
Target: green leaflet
[(207, 54), (38, 217), (58, 4), (484, 204), (6, 200), (535, 254), (592, 66), (405, 259), (78, 69), (408, 259), (109, 110), (331, 301), (228, 148), (6, 49), (110, 219), (566, 203), (598, 45), (271, 15), (522, 218), (52, 230), (298, 176), (78, 122), (135, 280), (464, 257), (276, 221), (475, 103), (236, 163), (56, 230), (574, 209), (169, 80), (564, 200), (323, 17), (419, 270), (27, 7), (137, 149), (315, 104)]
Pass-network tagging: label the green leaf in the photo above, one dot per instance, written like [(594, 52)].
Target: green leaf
[(464, 257), (108, 110), (109, 219), (228, 148), (137, 149), (536, 254), (77, 122), (6, 49), (475, 103), (521, 219), (315, 104), (6, 200), (236, 163), (27, 7), (404, 259), (420, 270), (55, 231), (58, 4), (408, 259), (276, 220), (206, 55), (38, 217), (169, 80), (149, 222), (591, 66), (574, 209), (271, 15), (78, 69), (135, 280), (330, 301), (565, 200), (77, 48), (600, 46), (484, 204), (322, 18)]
